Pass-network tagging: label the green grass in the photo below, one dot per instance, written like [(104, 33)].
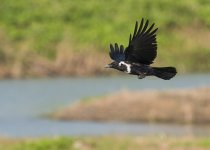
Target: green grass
[(204, 143), (107, 143), (38, 27), (39, 144)]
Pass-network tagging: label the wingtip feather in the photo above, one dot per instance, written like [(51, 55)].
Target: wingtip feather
[(130, 38), (135, 30), (111, 48), (121, 49)]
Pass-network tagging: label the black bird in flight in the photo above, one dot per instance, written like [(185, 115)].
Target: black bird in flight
[(140, 53)]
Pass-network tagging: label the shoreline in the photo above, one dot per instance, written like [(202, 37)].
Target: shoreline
[(66, 64)]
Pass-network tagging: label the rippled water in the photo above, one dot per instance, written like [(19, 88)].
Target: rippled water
[(22, 102)]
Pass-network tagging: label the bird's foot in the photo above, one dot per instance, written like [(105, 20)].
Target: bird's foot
[(142, 75)]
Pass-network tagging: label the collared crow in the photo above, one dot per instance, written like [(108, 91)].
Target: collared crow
[(139, 54)]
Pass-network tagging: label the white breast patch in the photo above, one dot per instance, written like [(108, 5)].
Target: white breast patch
[(128, 66)]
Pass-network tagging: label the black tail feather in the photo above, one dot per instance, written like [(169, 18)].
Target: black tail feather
[(165, 73)]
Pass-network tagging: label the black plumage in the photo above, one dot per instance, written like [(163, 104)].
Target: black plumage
[(139, 54)]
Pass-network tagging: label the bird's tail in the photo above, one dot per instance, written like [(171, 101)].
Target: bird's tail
[(165, 73)]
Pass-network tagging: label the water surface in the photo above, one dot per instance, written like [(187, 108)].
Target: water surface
[(22, 102)]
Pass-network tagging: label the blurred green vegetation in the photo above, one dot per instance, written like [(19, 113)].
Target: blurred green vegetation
[(107, 143), (38, 27)]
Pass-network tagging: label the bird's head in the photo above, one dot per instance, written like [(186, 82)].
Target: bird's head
[(117, 65), (114, 65)]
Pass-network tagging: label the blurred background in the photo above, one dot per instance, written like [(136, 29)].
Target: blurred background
[(56, 93)]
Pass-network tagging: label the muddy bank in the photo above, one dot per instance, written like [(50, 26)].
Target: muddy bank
[(65, 64), (179, 106)]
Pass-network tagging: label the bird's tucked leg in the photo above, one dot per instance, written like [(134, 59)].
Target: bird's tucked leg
[(142, 75)]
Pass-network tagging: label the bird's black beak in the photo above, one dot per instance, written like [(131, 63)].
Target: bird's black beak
[(108, 66)]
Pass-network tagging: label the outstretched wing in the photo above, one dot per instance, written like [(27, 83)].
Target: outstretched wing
[(117, 53), (142, 47)]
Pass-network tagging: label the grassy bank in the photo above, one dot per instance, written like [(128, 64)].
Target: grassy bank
[(105, 143), (34, 34), (172, 106)]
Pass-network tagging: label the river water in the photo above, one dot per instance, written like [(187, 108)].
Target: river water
[(23, 102)]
